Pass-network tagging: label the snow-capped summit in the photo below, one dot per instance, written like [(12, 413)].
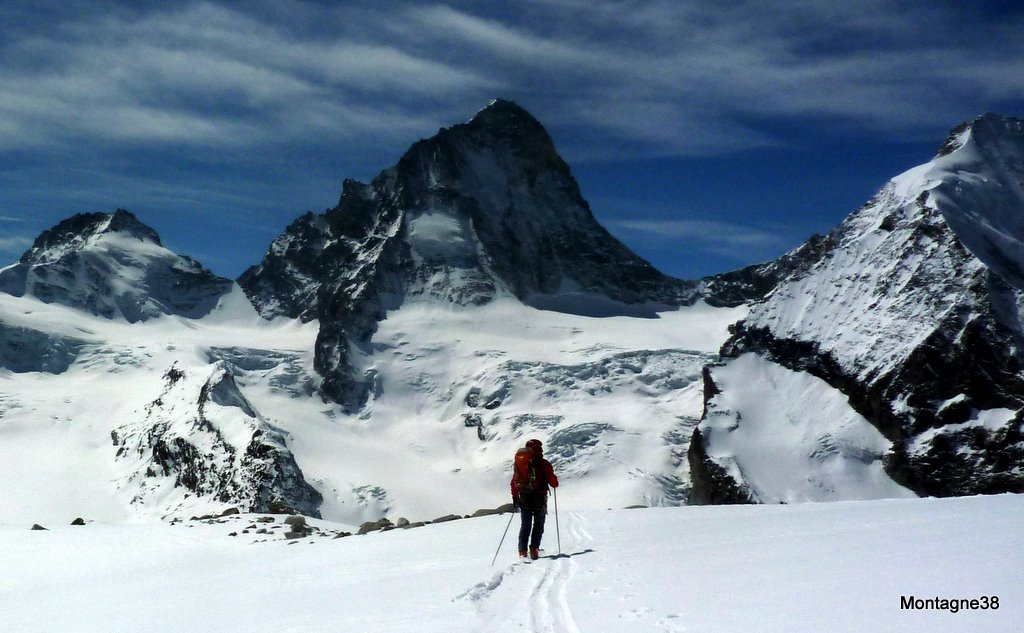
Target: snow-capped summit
[(84, 230), (979, 188), (482, 210), (912, 309), (114, 266)]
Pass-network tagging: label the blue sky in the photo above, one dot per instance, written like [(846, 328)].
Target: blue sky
[(705, 135)]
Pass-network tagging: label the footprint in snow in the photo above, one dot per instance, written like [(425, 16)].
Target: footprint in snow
[(482, 589)]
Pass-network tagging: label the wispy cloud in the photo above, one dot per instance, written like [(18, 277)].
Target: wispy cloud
[(14, 244), (698, 78), (658, 76), (736, 241), (209, 75), (739, 235)]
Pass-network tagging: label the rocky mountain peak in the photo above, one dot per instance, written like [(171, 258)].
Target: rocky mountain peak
[(500, 152), (506, 124), (503, 114), (984, 131), (80, 230), (990, 127), (482, 210)]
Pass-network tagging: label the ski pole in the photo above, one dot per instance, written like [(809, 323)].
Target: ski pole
[(500, 543), (558, 532)]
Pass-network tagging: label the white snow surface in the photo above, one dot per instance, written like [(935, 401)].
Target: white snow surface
[(805, 568), (614, 399), (790, 437)]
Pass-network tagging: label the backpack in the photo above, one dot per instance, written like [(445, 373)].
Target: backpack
[(526, 472)]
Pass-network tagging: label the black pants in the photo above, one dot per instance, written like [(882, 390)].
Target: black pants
[(532, 528)]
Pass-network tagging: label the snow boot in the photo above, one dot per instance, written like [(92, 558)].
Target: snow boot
[(534, 553), (522, 553)]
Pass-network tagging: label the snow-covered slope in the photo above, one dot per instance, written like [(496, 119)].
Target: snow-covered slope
[(138, 418), (790, 437), (457, 390), (913, 310), (840, 567)]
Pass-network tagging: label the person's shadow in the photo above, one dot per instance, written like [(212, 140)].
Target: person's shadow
[(586, 551)]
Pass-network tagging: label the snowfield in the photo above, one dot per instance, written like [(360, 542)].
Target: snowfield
[(844, 566), (759, 427)]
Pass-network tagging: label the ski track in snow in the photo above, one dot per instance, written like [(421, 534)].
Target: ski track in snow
[(548, 605), (537, 591), (536, 596)]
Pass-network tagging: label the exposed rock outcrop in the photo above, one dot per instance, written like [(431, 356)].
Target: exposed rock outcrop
[(201, 436)]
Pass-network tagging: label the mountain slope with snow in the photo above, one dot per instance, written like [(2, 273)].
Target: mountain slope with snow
[(411, 338), (482, 211), (114, 266), (913, 311), (457, 389)]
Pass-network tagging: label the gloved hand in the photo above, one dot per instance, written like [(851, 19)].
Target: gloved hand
[(515, 503)]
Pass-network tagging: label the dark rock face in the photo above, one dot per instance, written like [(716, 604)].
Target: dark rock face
[(710, 483), (112, 265), (190, 447), (481, 210), (913, 311)]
